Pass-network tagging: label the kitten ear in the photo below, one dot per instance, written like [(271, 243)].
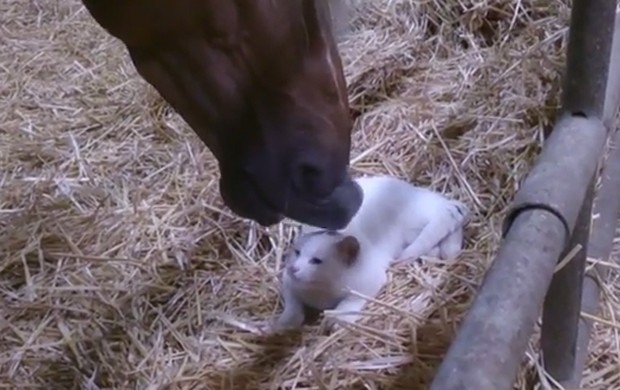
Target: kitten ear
[(348, 248)]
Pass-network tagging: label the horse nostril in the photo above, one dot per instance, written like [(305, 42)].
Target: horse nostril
[(310, 174), (311, 179)]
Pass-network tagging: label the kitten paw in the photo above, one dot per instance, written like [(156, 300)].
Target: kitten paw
[(331, 326), (266, 329), (458, 211)]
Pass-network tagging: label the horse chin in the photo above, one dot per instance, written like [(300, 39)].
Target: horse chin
[(248, 203), (333, 212)]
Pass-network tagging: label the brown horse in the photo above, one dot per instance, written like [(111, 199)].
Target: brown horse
[(261, 83)]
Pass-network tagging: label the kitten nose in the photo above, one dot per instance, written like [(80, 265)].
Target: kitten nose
[(292, 269), (315, 175)]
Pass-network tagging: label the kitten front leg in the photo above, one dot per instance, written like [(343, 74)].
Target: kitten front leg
[(292, 316), (435, 252)]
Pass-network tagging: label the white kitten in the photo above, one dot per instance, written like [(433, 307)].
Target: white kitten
[(397, 222)]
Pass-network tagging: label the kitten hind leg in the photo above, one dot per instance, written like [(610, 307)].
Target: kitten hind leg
[(447, 221), (451, 246), (435, 252)]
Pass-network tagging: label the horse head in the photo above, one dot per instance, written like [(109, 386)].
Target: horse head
[(261, 83)]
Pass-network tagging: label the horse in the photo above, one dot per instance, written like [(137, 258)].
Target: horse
[(262, 85)]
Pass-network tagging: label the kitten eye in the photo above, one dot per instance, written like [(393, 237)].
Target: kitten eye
[(315, 260), (296, 251)]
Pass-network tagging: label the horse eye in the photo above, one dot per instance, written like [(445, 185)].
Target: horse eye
[(315, 260)]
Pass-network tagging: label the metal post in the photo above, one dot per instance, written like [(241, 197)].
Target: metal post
[(606, 209), (585, 85), (562, 305), (587, 57), (612, 94)]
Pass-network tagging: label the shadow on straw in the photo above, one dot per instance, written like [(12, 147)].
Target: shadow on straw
[(431, 342)]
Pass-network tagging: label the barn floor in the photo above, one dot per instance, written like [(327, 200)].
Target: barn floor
[(121, 269)]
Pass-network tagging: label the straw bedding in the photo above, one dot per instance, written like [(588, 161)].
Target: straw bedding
[(121, 268)]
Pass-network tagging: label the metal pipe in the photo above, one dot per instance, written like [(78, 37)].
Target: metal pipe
[(490, 343), (491, 340)]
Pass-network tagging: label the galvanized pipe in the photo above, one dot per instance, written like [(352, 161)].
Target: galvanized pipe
[(606, 210), (492, 339)]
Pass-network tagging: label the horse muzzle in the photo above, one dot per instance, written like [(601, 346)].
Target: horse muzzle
[(332, 212)]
